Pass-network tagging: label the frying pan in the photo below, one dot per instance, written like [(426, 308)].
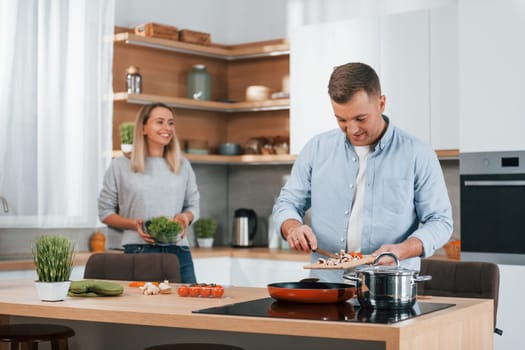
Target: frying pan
[(311, 292), (325, 312)]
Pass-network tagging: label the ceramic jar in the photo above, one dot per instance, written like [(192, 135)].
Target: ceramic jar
[(199, 83), (97, 242)]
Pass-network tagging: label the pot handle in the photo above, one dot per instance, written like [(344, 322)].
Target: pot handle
[(390, 254), (353, 278), (422, 278)]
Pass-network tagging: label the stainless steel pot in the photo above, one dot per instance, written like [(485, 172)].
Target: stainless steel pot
[(386, 287)]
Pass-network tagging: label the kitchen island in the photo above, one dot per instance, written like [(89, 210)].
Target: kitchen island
[(467, 325)]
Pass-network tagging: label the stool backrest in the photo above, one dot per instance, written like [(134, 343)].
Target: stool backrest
[(133, 267), (467, 279)]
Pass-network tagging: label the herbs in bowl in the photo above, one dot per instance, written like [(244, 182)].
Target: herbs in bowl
[(163, 230)]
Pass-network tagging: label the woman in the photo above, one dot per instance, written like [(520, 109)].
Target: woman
[(156, 181)]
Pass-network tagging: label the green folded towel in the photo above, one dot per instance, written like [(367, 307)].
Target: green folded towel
[(94, 288)]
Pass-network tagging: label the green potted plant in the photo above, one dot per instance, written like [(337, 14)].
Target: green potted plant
[(126, 131), (53, 256), (205, 229)]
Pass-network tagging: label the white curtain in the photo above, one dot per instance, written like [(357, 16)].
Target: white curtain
[(55, 109)]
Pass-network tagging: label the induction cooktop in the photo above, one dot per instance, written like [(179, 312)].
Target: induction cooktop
[(342, 312)]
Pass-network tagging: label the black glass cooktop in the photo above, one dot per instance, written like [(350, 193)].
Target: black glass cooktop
[(344, 312)]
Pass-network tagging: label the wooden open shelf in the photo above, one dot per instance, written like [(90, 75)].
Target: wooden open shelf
[(227, 116), (214, 106), (229, 53), (252, 159), (246, 159)]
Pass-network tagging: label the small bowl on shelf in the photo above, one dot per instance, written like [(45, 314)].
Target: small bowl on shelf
[(258, 93), (229, 149)]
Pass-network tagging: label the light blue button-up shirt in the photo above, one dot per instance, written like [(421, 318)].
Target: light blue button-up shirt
[(405, 194)]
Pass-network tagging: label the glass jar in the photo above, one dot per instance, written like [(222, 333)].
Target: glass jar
[(199, 83), (133, 80)]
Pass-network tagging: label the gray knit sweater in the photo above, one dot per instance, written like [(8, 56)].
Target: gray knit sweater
[(155, 192)]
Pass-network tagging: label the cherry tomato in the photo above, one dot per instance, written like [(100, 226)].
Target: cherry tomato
[(217, 291), (183, 291), (195, 290), (206, 291)]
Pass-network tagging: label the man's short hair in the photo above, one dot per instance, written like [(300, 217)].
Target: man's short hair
[(350, 78)]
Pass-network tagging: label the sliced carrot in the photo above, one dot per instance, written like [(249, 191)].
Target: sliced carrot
[(136, 284)]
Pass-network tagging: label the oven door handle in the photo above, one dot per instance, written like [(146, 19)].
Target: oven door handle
[(494, 182)]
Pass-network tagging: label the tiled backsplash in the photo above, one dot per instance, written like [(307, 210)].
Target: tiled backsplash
[(256, 187), (243, 186), (223, 189)]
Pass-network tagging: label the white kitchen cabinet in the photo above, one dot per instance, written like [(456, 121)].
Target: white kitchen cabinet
[(213, 270), (491, 57), (415, 55), (405, 71), (444, 81), (511, 309), (246, 272), (315, 51), (76, 274), (260, 272)]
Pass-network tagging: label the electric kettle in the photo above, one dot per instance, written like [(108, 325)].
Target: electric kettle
[(244, 227)]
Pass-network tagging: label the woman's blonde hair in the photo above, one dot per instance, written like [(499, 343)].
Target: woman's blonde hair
[(172, 152)]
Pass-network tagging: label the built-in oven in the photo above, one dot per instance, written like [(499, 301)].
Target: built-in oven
[(492, 208)]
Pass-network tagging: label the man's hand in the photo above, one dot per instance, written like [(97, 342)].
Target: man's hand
[(299, 236), (410, 248)]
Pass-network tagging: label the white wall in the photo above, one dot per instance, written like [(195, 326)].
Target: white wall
[(228, 21)]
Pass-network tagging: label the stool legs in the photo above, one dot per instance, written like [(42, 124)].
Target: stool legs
[(27, 336), (60, 344)]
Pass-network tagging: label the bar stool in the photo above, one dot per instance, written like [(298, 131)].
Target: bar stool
[(194, 346), (27, 336)]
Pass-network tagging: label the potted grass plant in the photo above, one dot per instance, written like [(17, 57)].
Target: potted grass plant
[(205, 229), (53, 256), (126, 130)]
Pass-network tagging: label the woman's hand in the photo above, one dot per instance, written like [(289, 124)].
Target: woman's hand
[(146, 237), (184, 220)]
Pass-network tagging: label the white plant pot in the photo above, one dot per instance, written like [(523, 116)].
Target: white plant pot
[(205, 242), (52, 291), (126, 148)]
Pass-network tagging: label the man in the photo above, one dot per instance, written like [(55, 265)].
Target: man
[(372, 188)]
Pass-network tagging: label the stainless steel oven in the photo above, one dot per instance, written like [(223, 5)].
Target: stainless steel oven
[(492, 209)]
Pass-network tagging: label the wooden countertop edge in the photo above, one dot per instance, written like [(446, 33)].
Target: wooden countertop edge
[(133, 308), (24, 262)]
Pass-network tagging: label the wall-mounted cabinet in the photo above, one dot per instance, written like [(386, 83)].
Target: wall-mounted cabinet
[(227, 117), (492, 75), (416, 56)]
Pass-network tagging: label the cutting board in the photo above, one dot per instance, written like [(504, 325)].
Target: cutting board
[(366, 259)]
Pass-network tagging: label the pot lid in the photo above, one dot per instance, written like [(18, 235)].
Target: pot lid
[(396, 270), (385, 270)]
